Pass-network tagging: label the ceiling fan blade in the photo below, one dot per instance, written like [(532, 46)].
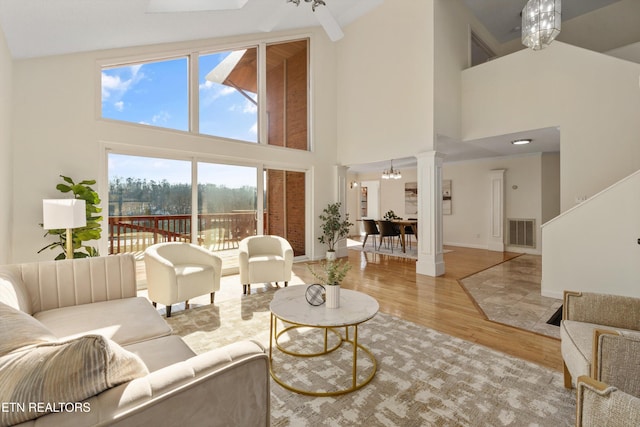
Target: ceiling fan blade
[(164, 6), (329, 23), (273, 19)]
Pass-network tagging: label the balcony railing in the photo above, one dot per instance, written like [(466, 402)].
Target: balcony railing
[(215, 231)]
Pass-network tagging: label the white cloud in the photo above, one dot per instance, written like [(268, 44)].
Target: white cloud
[(119, 105), (113, 83), (250, 107), (209, 92), (254, 129), (161, 117)]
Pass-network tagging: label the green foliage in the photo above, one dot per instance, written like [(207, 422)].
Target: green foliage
[(330, 272), (391, 215), (135, 196), (334, 227), (92, 231)]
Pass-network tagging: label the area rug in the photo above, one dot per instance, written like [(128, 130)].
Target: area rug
[(509, 293), (424, 378)]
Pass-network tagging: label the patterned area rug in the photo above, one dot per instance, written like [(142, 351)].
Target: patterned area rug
[(424, 378)]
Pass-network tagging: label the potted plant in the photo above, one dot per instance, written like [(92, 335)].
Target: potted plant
[(391, 215), (92, 231), (330, 274), (334, 228)]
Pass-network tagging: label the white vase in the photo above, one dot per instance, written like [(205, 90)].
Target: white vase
[(331, 255), (332, 294)]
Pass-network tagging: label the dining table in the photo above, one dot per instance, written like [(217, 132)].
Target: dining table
[(402, 223)]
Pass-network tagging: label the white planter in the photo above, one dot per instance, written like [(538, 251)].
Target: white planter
[(332, 293), (331, 255)]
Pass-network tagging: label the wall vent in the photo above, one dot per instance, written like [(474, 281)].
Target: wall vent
[(522, 232)]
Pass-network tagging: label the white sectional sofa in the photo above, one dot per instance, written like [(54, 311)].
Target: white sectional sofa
[(78, 347)]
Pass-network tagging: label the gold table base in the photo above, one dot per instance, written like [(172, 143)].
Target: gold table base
[(274, 335)]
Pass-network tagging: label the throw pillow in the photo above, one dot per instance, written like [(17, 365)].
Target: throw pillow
[(43, 378), (19, 330)]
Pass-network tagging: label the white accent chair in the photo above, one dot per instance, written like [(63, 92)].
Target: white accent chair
[(264, 259), (178, 271)]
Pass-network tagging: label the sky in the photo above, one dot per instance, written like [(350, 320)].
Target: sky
[(156, 94)]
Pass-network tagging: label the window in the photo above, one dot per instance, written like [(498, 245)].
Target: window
[(149, 202), (287, 94), (150, 93), (227, 94), (228, 98), (227, 204)]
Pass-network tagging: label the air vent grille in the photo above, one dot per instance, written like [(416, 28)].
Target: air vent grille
[(522, 232)]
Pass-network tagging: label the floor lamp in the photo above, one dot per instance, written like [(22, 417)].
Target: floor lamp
[(64, 213)]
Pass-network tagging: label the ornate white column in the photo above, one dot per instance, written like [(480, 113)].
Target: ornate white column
[(341, 196), (430, 258), (496, 228)]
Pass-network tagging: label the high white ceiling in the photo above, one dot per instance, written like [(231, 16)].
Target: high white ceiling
[(35, 28)]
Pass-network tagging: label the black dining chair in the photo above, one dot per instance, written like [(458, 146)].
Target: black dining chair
[(387, 229), (408, 231), (370, 228)]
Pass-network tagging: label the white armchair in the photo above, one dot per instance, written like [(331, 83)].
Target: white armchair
[(264, 259), (178, 271)]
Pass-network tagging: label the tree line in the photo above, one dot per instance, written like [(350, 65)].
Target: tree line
[(135, 196)]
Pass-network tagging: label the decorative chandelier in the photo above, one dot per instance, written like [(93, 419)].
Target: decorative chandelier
[(540, 23), (324, 17), (315, 3), (391, 173)]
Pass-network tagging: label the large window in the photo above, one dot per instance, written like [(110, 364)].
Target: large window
[(227, 204), (287, 94), (153, 200), (150, 93), (227, 94)]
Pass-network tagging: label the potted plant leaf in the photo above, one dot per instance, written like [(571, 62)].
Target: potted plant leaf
[(334, 228), (92, 231), (330, 274)]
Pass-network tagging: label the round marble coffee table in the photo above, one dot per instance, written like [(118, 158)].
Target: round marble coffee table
[(290, 306)]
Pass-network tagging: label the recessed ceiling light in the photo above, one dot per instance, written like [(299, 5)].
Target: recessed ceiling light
[(521, 141)]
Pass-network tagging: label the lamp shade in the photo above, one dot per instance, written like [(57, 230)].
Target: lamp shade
[(63, 213)]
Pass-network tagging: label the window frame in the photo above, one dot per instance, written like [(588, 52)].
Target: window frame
[(193, 112)]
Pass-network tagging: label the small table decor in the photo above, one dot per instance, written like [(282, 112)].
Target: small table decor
[(315, 294)]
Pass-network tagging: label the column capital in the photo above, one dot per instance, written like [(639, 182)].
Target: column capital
[(430, 155)]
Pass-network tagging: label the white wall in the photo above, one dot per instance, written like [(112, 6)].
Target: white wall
[(385, 84), (6, 168), (56, 131), (593, 98), (470, 221), (594, 246), (550, 186)]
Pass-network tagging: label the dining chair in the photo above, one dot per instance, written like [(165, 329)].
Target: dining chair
[(387, 229), (370, 228), (408, 231)]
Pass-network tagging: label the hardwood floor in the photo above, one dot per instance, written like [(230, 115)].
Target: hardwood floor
[(442, 303)]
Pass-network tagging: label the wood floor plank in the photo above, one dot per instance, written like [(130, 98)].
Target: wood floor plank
[(442, 303)]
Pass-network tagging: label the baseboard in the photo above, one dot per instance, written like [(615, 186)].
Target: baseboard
[(466, 245)]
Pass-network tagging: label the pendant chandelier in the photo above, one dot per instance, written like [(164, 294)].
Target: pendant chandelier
[(540, 23), (391, 173)]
